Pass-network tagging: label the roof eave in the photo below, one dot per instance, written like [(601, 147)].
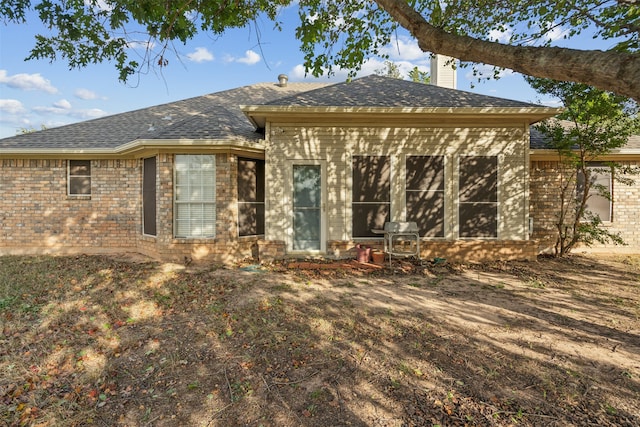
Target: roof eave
[(551, 154), (142, 147), (258, 114)]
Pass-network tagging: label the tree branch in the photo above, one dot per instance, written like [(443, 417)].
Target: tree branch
[(617, 72)]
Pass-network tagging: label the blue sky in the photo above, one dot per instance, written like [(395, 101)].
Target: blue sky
[(39, 93)]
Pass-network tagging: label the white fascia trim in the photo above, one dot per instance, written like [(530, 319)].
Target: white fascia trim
[(139, 145)]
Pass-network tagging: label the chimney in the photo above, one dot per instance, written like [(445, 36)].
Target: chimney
[(443, 72), (282, 80)]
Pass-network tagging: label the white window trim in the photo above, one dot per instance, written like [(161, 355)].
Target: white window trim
[(69, 177)]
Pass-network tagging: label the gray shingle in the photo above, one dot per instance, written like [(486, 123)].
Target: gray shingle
[(212, 116), (378, 91), (217, 116), (538, 140)]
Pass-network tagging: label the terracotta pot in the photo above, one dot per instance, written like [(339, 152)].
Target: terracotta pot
[(378, 257)]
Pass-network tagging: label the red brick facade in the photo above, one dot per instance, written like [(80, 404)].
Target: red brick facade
[(37, 215), (545, 184)]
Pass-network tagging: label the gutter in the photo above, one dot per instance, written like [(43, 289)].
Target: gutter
[(258, 114), (140, 147), (547, 154)]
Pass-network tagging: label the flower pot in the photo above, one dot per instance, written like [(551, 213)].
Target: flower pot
[(363, 253), (378, 257)]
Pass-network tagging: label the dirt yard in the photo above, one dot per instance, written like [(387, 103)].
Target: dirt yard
[(120, 341)]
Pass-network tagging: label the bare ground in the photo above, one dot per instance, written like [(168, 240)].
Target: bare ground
[(120, 341)]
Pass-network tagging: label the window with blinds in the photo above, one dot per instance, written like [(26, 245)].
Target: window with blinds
[(195, 196)]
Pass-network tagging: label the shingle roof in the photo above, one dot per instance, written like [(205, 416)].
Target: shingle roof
[(538, 141), (217, 116), (212, 116), (378, 91)]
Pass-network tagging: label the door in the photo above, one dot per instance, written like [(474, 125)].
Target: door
[(307, 208)]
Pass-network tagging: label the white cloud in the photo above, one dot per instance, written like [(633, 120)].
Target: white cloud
[(64, 108), (92, 113), (201, 54), (50, 110), (500, 36), (405, 48), (370, 66), (404, 52), (85, 94), (25, 81), (13, 117), (12, 106), (63, 104), (249, 58), (552, 33), (557, 33), (140, 45), (99, 4)]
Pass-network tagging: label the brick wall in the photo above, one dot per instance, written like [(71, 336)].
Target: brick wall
[(544, 207), (225, 247), (37, 215), (36, 212)]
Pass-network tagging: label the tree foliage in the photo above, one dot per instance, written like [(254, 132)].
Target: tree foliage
[(391, 69), (593, 124), (415, 75), (515, 34)]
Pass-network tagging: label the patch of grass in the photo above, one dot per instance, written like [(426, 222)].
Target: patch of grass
[(6, 303), (610, 409), (241, 389)]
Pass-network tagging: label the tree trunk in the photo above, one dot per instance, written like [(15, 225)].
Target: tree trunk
[(617, 72)]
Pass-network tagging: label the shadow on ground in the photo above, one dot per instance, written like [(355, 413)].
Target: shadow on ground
[(104, 341)]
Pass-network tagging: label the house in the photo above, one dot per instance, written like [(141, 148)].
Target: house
[(284, 169)]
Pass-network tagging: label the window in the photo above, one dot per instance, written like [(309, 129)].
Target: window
[(600, 191), (79, 182), (195, 196), (250, 197), (478, 196), (149, 197), (425, 194), (371, 195)]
